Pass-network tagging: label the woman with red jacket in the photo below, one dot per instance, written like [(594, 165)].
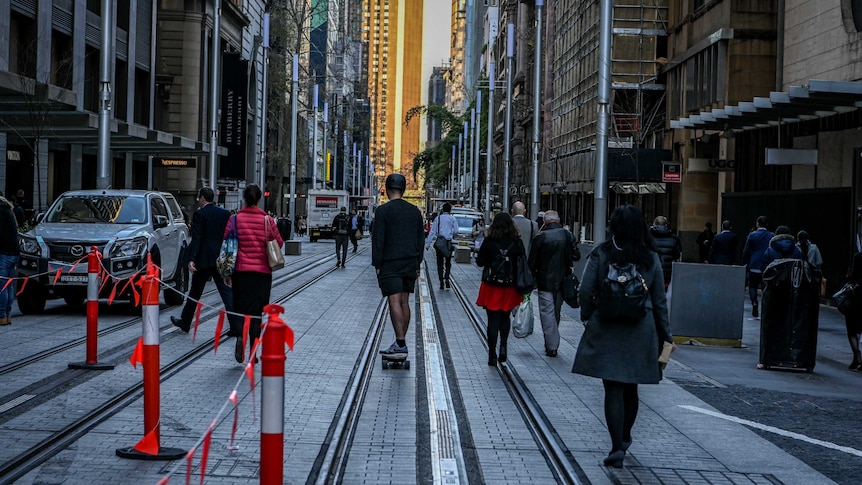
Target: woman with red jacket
[(252, 277)]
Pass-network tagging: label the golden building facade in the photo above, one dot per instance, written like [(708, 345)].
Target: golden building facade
[(392, 30)]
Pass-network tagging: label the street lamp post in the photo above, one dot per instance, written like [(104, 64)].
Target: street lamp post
[(265, 100), (600, 199), (490, 155), (475, 156), (293, 115), (214, 98), (537, 106), (507, 144), (314, 140)]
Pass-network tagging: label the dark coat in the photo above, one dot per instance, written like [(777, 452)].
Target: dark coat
[(704, 243), (552, 256), (397, 233), (621, 351), (208, 225), (780, 246), (755, 248), (724, 249), (668, 247)]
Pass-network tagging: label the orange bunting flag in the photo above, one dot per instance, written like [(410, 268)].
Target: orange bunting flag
[(138, 354), (72, 269), (245, 327), (253, 355), (8, 282), (23, 285), (189, 456), (112, 295), (249, 372), (149, 444), (137, 296), (164, 481), (197, 320), (235, 402), (207, 439), (219, 326), (104, 277), (288, 337), (57, 276)]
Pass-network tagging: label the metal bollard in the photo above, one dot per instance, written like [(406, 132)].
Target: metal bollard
[(272, 399), (93, 271), (149, 448)]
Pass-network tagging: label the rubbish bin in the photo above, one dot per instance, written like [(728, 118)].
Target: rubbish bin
[(789, 321), (284, 228)]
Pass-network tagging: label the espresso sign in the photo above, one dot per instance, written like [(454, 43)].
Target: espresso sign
[(175, 162)]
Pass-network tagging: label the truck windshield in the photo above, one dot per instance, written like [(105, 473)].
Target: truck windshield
[(98, 209)]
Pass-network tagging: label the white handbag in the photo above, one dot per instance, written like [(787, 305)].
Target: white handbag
[(274, 256)]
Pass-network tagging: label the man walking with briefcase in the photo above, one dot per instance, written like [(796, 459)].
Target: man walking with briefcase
[(443, 229)]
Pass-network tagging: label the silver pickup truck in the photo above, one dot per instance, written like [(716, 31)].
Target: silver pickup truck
[(125, 225)]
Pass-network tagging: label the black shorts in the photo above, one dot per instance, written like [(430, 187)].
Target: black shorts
[(398, 276)]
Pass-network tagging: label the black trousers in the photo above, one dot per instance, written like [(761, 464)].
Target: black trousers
[(499, 322), (341, 247), (250, 294), (353, 239), (199, 281), (444, 266)]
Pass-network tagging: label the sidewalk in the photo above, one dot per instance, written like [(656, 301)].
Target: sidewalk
[(678, 438)]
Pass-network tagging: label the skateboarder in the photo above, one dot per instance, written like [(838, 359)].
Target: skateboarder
[(397, 239)]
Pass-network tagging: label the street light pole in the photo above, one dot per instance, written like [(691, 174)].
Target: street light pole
[(507, 144), (469, 159), (107, 52), (264, 102), (475, 156), (214, 94), (325, 140), (537, 106), (600, 198), (293, 114), (490, 155)]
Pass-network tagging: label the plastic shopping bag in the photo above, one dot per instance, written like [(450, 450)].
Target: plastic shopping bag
[(522, 318)]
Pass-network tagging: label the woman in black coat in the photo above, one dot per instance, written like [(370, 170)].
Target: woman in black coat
[(622, 353)]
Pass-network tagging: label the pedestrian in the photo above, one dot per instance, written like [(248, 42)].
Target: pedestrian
[(810, 251), (208, 224), (357, 224), (302, 225), (853, 317), (540, 219), (667, 245), (9, 254), (551, 257), (782, 245), (527, 228), (341, 227), (725, 246), (704, 242), (18, 208), (752, 256), (499, 299), (478, 233), (396, 254), (444, 227), (252, 277), (623, 353)]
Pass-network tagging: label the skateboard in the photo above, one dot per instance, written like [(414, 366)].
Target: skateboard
[(394, 363)]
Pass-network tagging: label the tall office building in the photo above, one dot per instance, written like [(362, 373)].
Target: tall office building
[(392, 30)]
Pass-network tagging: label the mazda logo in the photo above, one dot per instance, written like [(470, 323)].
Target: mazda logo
[(77, 250)]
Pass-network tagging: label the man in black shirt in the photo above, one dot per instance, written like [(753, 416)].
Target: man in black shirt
[(341, 226), (397, 239)]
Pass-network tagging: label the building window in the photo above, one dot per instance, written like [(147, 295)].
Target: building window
[(23, 46)]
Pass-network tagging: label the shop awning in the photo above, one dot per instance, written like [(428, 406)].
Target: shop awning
[(31, 110), (816, 100)]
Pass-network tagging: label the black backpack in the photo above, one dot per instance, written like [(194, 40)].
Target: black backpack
[(342, 223), (623, 294), (501, 270)]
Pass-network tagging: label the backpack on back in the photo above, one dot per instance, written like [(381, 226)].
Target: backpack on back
[(500, 271), (623, 294), (342, 223)]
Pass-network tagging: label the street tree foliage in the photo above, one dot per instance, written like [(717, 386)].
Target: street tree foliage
[(435, 161)]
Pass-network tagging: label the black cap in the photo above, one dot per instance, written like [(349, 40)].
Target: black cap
[(396, 181)]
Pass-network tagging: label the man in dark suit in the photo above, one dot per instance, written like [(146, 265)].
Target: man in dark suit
[(725, 246), (208, 224)]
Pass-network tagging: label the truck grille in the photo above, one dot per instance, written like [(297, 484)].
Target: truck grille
[(69, 252)]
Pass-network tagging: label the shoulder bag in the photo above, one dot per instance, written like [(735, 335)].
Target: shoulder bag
[(524, 281), (274, 256), (845, 298), (226, 260), (442, 245)]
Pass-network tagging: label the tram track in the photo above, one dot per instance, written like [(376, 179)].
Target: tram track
[(57, 441), (50, 352), (556, 454)]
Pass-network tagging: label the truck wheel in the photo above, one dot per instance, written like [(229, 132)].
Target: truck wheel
[(176, 296), (75, 299), (32, 300)]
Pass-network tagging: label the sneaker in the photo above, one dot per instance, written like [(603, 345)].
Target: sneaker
[(395, 352), (5, 321), (448, 285)]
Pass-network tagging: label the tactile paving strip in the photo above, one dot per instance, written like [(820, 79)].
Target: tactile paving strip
[(674, 476)]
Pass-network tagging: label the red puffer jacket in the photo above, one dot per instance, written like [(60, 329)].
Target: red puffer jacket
[(252, 234)]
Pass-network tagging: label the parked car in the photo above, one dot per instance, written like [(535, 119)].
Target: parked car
[(125, 226), (465, 219)]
